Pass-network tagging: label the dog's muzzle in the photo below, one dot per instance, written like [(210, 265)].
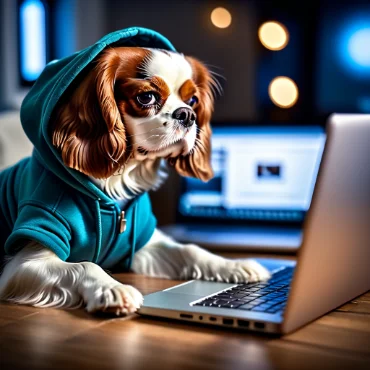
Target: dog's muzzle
[(184, 116)]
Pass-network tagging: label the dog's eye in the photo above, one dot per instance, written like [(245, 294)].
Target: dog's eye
[(192, 101), (147, 98)]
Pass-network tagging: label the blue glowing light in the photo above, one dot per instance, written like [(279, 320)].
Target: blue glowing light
[(359, 47), (32, 39), (354, 46)]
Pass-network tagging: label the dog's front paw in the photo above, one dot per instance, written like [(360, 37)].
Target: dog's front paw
[(117, 299), (247, 271), (229, 271), (201, 264), (238, 271)]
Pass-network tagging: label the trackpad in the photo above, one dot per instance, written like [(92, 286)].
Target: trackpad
[(199, 287)]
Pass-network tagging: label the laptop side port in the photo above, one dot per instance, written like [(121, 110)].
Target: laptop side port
[(211, 318), (227, 321), (259, 325), (186, 316), (243, 323)]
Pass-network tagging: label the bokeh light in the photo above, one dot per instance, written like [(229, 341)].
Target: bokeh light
[(283, 92), (32, 39), (353, 46), (273, 35), (359, 47), (221, 17)]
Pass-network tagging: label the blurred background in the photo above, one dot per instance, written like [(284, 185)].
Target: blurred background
[(283, 63)]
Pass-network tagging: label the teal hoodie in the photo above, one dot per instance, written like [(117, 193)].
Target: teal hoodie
[(44, 201)]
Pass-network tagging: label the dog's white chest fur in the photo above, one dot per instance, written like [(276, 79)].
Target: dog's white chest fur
[(135, 178)]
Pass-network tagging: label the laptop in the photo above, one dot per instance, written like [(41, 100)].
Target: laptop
[(333, 262), (261, 192)]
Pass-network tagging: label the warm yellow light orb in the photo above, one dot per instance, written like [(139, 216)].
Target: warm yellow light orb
[(273, 35), (221, 17), (283, 92)]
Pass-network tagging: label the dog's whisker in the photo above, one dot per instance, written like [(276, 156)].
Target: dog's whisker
[(172, 137), (143, 133), (199, 143), (200, 130), (145, 140), (213, 73)]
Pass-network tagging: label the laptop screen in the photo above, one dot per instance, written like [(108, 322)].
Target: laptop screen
[(260, 173)]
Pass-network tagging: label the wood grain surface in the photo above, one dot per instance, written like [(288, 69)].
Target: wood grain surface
[(33, 338)]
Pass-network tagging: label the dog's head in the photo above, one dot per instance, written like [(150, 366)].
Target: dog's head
[(138, 103)]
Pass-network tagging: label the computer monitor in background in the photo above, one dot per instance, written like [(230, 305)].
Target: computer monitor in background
[(262, 174)]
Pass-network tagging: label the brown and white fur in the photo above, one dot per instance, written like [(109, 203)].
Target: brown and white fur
[(103, 130)]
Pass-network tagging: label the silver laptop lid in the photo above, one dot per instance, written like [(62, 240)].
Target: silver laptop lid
[(333, 263)]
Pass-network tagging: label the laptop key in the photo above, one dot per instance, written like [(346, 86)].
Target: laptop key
[(281, 305), (221, 301), (273, 300), (244, 300), (275, 304), (231, 305), (264, 292), (262, 284), (255, 295), (207, 304), (283, 299), (239, 295), (265, 305), (258, 309), (246, 307), (272, 296), (229, 298)]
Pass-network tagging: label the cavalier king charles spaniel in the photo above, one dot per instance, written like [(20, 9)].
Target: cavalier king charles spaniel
[(157, 106)]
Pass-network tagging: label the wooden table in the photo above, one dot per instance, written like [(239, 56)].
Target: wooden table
[(32, 338)]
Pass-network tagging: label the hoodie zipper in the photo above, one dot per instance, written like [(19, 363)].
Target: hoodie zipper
[(122, 222)]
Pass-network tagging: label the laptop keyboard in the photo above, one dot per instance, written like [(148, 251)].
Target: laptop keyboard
[(270, 296)]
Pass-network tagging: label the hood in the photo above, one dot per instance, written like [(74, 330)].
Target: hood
[(40, 102)]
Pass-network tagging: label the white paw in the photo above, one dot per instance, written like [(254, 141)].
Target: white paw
[(115, 298), (256, 272), (229, 271)]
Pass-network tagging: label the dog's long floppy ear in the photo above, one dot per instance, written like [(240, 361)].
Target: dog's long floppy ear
[(198, 162), (87, 125)]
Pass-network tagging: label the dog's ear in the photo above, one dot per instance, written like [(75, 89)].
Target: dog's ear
[(198, 162), (87, 125)]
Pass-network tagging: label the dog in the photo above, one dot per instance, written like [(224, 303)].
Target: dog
[(134, 111)]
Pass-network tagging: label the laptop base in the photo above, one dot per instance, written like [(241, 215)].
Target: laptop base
[(178, 303)]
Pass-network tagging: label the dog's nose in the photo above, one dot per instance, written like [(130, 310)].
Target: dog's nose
[(185, 116)]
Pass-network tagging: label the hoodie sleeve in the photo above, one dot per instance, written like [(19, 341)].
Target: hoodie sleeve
[(43, 226)]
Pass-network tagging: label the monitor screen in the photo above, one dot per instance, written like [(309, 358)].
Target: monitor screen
[(264, 173)]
